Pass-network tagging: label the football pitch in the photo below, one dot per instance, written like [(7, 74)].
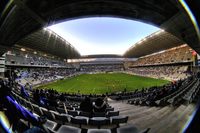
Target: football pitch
[(103, 83)]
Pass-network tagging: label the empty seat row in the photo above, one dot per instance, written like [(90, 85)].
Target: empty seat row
[(191, 94), (166, 100), (95, 114), (178, 97), (83, 120), (124, 129)]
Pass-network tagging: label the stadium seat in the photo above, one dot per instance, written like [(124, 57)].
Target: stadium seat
[(50, 125), (99, 121), (69, 108), (68, 129), (112, 113), (61, 118), (52, 108), (23, 102), (109, 109), (48, 114), (119, 119), (61, 110), (99, 131), (131, 129), (29, 106), (37, 109), (80, 120), (76, 108), (72, 113), (99, 114), (86, 114)]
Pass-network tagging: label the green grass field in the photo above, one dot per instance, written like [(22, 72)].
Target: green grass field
[(102, 83)]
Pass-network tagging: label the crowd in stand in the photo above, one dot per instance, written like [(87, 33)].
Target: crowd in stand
[(164, 64), (172, 72), (154, 93), (101, 67), (51, 99), (177, 74), (175, 55), (41, 75), (148, 96), (46, 99), (140, 67), (145, 96), (18, 57)]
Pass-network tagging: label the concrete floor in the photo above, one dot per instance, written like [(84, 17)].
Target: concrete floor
[(166, 119)]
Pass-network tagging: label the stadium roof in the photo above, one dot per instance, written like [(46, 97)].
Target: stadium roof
[(158, 41), (102, 56), (49, 42), (22, 17)]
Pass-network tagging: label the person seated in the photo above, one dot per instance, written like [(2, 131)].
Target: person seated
[(99, 105), (24, 93), (86, 105), (105, 99), (36, 96), (52, 100), (62, 97)]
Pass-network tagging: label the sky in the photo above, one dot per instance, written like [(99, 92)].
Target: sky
[(102, 35)]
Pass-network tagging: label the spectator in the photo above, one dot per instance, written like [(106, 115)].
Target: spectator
[(62, 97), (52, 99), (99, 105), (106, 99), (36, 96), (24, 93), (86, 105)]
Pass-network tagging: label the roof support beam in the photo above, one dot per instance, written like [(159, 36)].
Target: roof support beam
[(34, 15)]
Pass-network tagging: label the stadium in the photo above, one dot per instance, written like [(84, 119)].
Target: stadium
[(48, 86)]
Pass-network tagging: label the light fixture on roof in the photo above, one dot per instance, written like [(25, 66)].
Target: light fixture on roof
[(139, 42), (23, 49), (50, 32), (157, 33), (35, 52), (162, 30)]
